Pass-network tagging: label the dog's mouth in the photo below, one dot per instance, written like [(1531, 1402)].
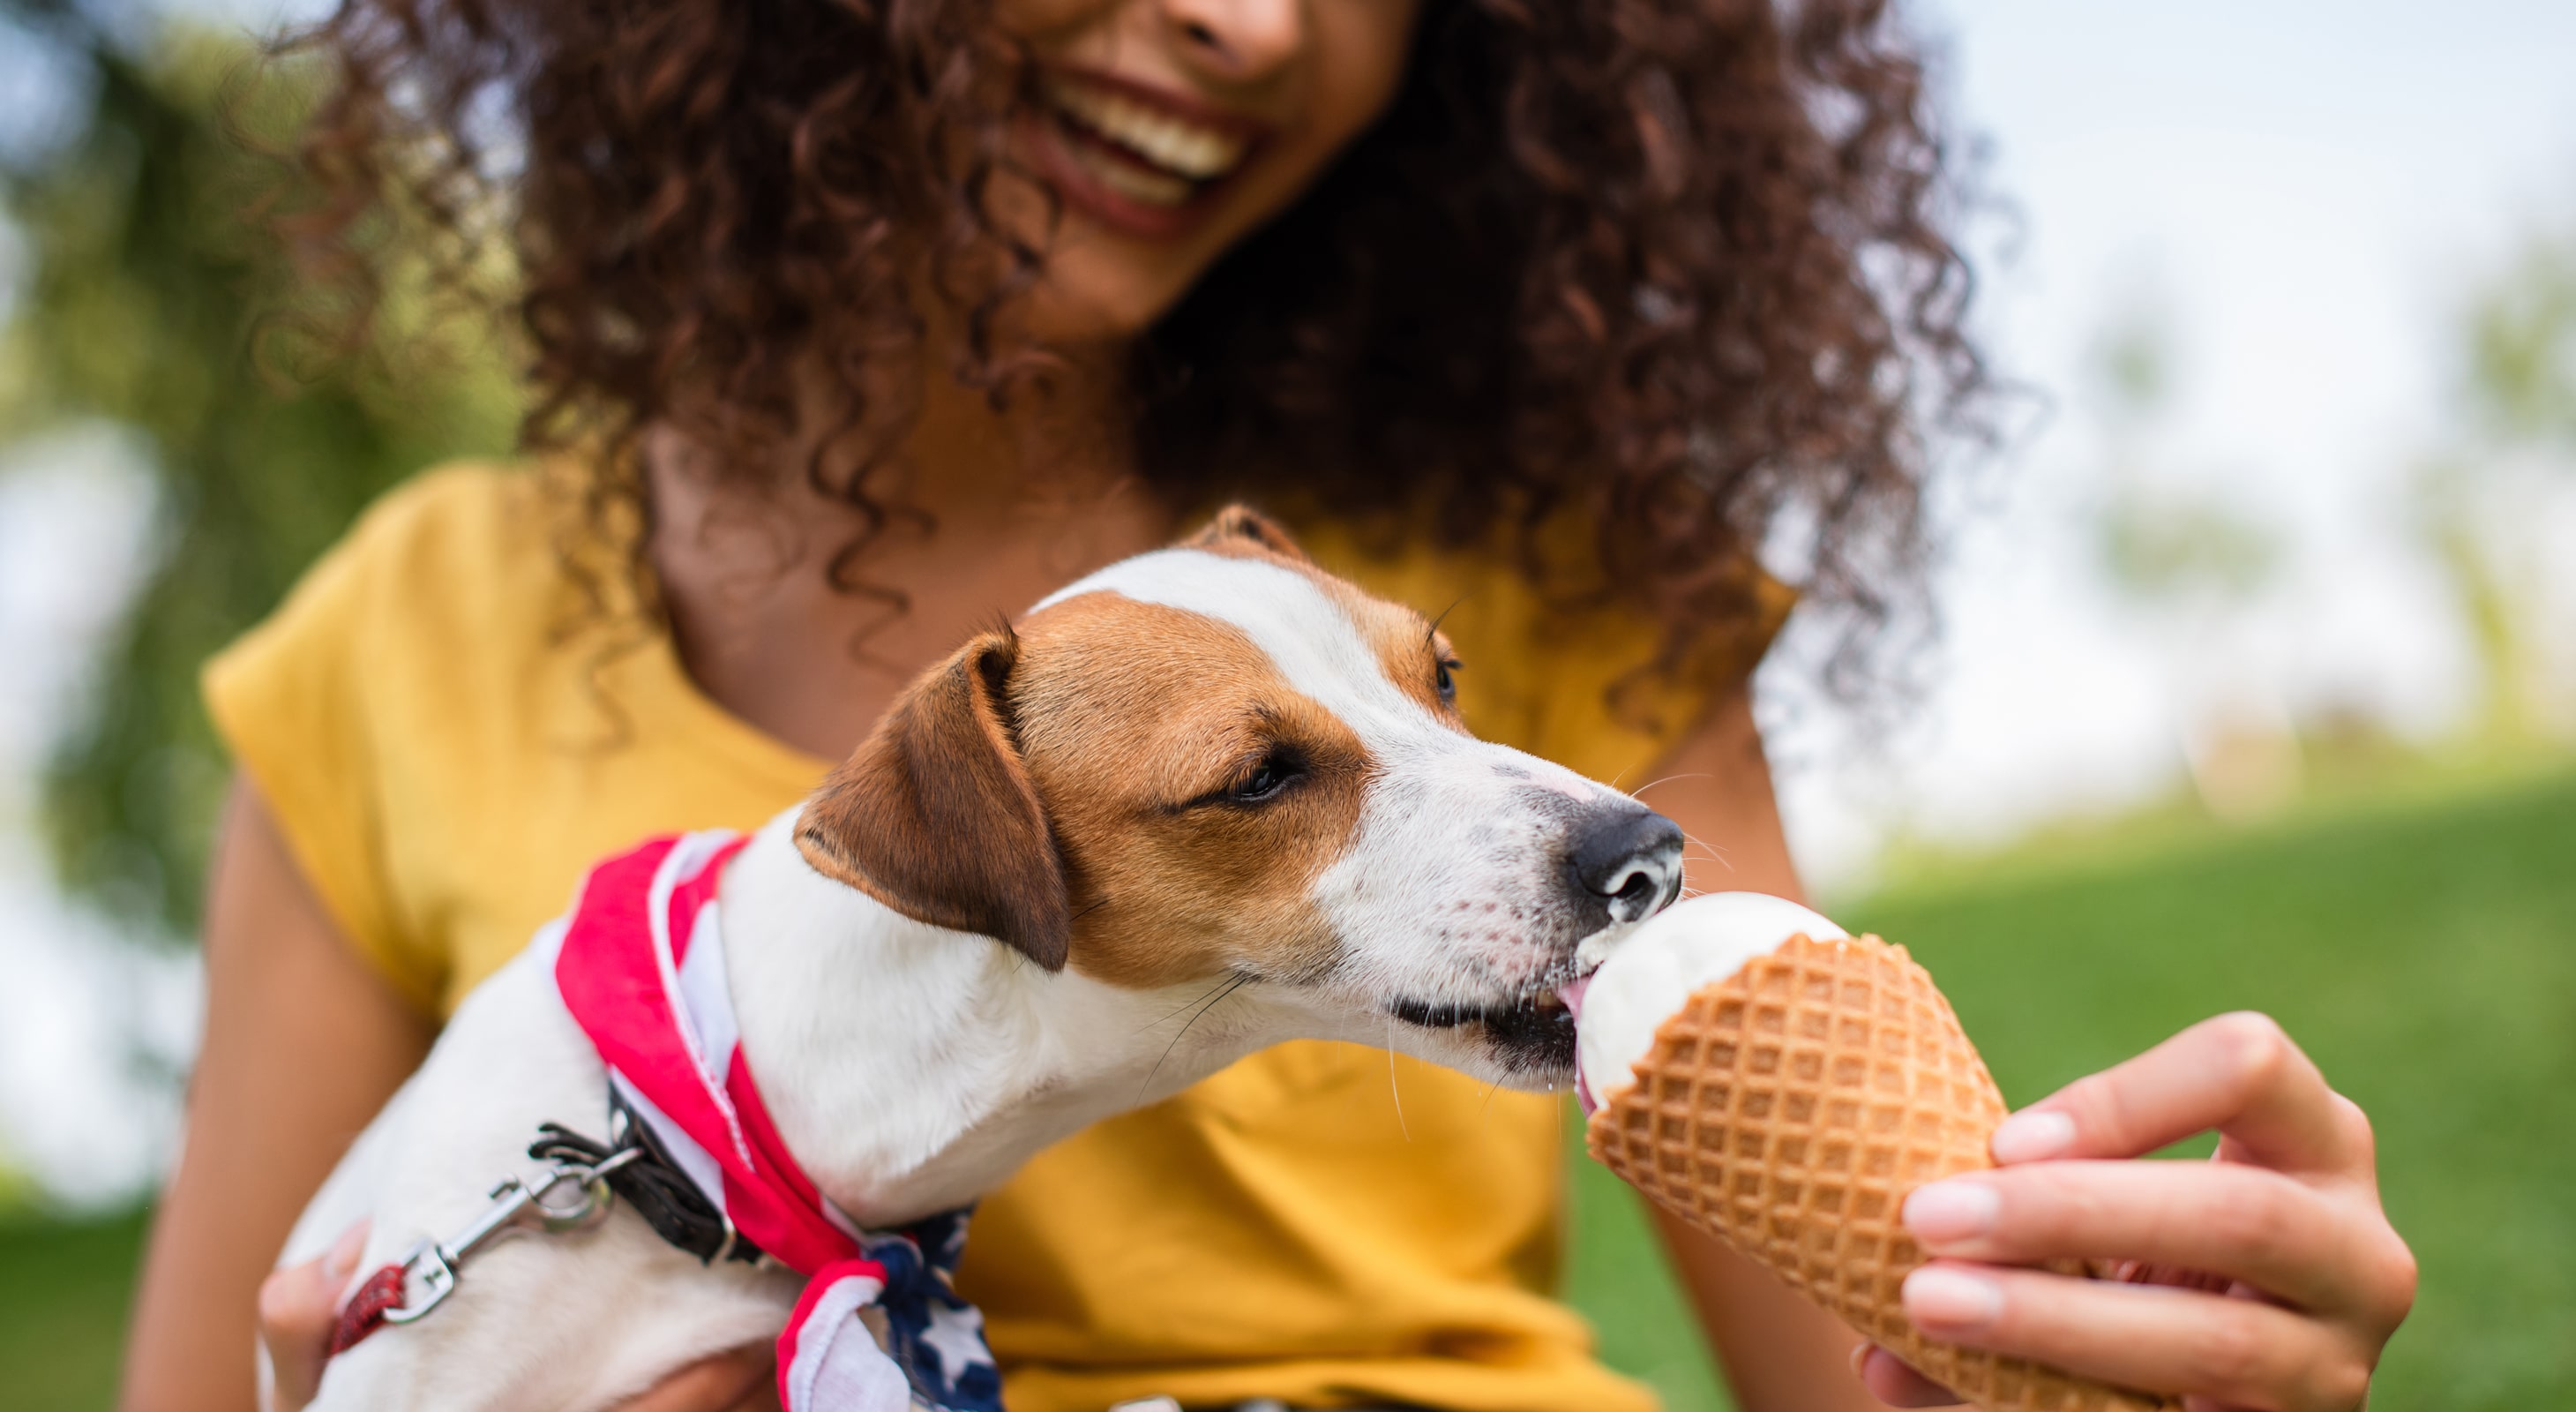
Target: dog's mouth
[(1533, 1035)]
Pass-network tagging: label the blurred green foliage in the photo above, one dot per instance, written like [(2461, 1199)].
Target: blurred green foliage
[(2472, 495), (145, 280), (2168, 546), (2522, 344), (2419, 952), (2166, 540)]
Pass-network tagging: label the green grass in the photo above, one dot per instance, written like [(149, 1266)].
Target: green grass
[(63, 1290), (2426, 956)]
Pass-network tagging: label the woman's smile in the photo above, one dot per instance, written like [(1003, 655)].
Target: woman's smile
[(1165, 131), (1141, 159)]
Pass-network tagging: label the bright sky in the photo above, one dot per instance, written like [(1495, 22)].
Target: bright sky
[(2301, 191)]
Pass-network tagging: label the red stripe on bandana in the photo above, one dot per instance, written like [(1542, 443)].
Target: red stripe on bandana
[(622, 977), (619, 977)]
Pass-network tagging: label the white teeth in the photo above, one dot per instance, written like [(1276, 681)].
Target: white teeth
[(1190, 151)]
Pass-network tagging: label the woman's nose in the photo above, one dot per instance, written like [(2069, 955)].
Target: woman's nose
[(1240, 40)]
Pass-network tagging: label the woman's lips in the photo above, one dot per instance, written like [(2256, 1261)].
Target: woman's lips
[(1136, 158)]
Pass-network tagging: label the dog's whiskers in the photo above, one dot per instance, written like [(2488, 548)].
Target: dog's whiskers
[(1189, 1004), (1392, 1091), (1238, 981), (1715, 854)]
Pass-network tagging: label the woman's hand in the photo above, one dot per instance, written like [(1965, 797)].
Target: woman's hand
[(299, 1304), (2267, 1278)]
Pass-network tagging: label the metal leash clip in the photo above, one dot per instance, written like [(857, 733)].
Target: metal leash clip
[(515, 1206)]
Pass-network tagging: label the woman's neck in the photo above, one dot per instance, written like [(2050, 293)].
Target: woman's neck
[(1017, 504)]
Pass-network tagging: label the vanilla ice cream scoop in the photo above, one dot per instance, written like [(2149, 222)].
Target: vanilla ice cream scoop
[(1653, 972)]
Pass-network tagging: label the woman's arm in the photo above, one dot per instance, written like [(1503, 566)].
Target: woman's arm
[(303, 1043), (1780, 1352)]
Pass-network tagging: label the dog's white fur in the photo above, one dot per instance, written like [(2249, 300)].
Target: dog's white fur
[(911, 1068)]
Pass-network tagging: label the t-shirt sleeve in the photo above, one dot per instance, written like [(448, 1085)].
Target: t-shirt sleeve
[(291, 700)]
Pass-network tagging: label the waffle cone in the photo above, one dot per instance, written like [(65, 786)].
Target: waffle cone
[(1790, 1108)]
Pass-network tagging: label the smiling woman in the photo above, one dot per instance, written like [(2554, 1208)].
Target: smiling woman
[(853, 325), (1579, 284)]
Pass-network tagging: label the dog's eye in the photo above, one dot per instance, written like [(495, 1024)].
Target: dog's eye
[(1267, 779), (1442, 679)]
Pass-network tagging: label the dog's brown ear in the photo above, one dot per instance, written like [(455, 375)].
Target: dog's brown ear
[(1240, 527), (935, 816)]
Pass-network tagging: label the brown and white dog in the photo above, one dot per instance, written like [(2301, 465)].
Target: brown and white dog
[(1210, 768)]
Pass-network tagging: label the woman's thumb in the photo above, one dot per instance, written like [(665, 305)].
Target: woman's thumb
[(297, 1306)]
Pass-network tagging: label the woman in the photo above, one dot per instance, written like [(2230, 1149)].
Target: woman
[(855, 324)]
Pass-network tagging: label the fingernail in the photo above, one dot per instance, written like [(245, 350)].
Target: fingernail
[(1947, 1211), (344, 1253), (1938, 1298), (2033, 1135)]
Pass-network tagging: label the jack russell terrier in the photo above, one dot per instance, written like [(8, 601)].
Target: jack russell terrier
[(1206, 800)]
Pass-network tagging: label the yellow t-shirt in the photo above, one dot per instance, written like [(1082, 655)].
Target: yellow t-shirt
[(1319, 1223)]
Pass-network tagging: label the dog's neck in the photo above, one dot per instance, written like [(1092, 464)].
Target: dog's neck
[(910, 1068)]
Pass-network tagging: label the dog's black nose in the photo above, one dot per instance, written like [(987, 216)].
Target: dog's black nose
[(1631, 858)]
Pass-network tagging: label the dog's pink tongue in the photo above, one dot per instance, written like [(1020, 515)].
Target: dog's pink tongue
[(1572, 994)]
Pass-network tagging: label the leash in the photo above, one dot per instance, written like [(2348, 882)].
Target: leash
[(632, 1164), (517, 1205)]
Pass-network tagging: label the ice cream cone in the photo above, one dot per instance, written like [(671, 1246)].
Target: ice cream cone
[(1789, 1107)]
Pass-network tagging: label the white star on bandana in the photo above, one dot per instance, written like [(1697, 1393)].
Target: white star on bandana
[(956, 1334)]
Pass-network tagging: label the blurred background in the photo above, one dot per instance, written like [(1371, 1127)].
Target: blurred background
[(2256, 684)]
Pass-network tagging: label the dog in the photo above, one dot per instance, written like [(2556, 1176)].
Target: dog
[(1209, 769)]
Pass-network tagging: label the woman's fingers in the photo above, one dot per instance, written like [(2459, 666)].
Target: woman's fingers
[(2236, 1352), (2293, 1279), (2237, 1073), (297, 1306), (2291, 1241), (1893, 1381)]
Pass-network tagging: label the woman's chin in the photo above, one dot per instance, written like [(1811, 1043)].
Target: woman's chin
[(1094, 297)]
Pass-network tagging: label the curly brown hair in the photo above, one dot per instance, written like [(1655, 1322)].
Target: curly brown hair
[(1679, 268)]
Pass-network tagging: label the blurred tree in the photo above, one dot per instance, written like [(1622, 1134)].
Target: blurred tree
[(2522, 345), (2166, 543), (2192, 561), (2475, 500), (141, 287)]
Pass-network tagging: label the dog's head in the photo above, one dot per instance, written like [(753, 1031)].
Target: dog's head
[(1217, 763)]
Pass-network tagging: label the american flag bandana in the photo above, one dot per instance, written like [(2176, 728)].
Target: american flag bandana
[(641, 967)]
